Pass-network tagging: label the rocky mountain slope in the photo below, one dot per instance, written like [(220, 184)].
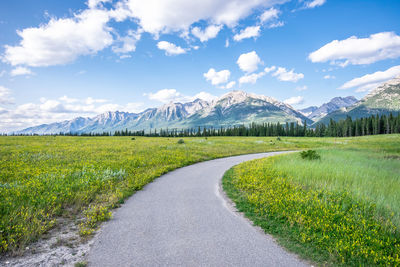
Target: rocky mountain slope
[(316, 113), (233, 108), (384, 99)]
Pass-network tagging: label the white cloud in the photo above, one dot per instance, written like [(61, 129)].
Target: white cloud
[(269, 14), (166, 96), (61, 41), (155, 16), (327, 77), (301, 88), (21, 71), (227, 43), (90, 101), (314, 3), (128, 42), (249, 32), (269, 69), (68, 100), (276, 24), (209, 33), (5, 96), (230, 85), (96, 3), (2, 73), (249, 62), (251, 78), (358, 51), (171, 95), (295, 100), (170, 48), (370, 81), (217, 78), (283, 74), (204, 96)]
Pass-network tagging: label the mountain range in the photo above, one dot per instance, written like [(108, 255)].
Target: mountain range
[(233, 108), (316, 113), (384, 99)]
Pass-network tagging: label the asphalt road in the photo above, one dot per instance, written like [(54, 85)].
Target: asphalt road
[(183, 219)]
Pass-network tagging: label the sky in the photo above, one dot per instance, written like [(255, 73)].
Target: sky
[(68, 58)]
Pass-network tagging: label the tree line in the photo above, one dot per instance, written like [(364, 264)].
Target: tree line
[(373, 125)]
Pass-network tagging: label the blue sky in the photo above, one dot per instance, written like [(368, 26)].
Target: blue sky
[(62, 59)]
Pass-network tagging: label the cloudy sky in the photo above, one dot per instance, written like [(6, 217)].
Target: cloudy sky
[(67, 58)]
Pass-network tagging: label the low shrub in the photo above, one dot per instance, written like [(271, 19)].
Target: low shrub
[(310, 155), (180, 141)]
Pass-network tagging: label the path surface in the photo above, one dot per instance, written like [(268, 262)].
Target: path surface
[(181, 219)]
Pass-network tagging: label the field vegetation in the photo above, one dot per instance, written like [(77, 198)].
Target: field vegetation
[(45, 178), (342, 208)]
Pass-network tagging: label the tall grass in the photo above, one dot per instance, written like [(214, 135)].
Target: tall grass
[(43, 178), (341, 209), (368, 175)]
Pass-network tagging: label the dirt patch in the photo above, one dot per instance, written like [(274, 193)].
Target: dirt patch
[(62, 247)]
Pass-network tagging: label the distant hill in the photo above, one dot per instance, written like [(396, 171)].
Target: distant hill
[(233, 108), (316, 113), (384, 99)]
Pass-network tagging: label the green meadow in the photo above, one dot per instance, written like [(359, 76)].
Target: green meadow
[(341, 209), (45, 180)]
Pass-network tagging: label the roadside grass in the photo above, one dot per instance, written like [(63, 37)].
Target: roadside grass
[(340, 210), (366, 175), (43, 178)]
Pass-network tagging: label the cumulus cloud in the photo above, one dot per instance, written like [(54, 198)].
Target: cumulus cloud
[(295, 100), (359, 51), (155, 16), (249, 32), (249, 62), (96, 3), (269, 14), (61, 41), (128, 42), (251, 78), (165, 95), (230, 85), (314, 3), (217, 77), (172, 95), (370, 81), (5, 96), (20, 71), (285, 75), (276, 24), (269, 69), (170, 48), (204, 96), (209, 33)]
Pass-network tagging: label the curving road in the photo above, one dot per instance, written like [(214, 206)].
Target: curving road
[(181, 219)]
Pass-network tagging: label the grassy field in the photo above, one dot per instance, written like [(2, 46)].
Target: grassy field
[(45, 178), (342, 209)]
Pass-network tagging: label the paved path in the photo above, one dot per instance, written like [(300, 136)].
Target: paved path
[(181, 219)]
